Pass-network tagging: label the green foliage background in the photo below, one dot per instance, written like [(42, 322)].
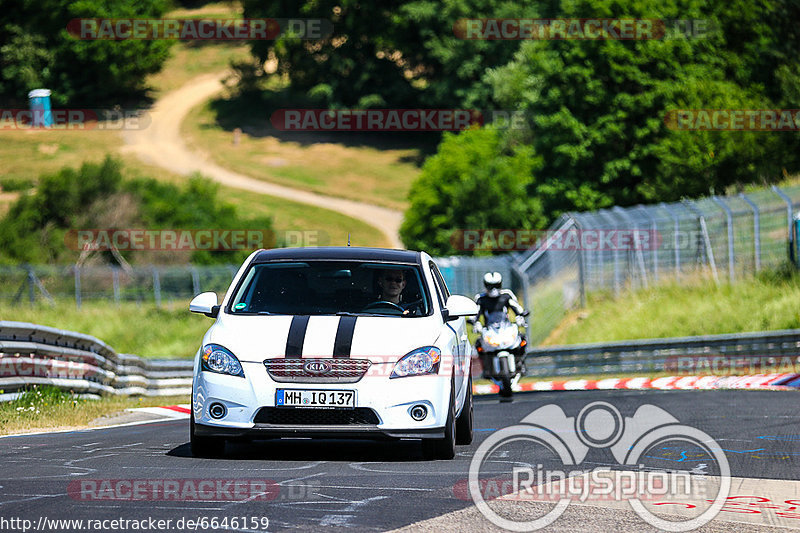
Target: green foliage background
[(96, 197), (595, 132), (36, 51)]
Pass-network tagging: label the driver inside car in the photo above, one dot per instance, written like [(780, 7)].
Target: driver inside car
[(391, 284)]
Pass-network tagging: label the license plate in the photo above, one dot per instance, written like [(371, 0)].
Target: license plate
[(315, 398)]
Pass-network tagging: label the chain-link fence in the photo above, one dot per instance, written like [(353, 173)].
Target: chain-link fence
[(724, 238), (151, 285), (155, 285)]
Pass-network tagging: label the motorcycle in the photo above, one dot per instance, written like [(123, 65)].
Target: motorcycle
[(501, 347)]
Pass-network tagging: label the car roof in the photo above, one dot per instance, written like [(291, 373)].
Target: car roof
[(343, 253)]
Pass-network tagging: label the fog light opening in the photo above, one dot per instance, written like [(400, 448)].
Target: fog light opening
[(419, 412), (217, 411)]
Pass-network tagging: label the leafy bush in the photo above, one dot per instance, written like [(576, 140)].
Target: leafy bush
[(15, 185), (96, 197), (473, 182), (37, 51)]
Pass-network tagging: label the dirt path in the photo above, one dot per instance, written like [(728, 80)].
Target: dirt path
[(161, 144)]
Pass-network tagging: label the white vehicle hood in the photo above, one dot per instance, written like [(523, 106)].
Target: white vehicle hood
[(380, 339)]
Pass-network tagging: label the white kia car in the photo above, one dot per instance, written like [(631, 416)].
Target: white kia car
[(334, 342)]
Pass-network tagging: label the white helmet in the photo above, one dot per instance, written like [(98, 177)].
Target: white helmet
[(493, 281)]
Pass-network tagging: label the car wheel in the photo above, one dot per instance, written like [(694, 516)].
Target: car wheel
[(444, 448), (465, 422), (205, 446)]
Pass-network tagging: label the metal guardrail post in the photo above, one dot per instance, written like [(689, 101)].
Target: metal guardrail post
[(756, 230), (637, 251), (729, 217), (526, 291), (525, 265), (195, 281), (675, 236), (653, 246), (615, 254), (78, 299), (789, 206), (581, 268), (706, 239), (115, 283), (156, 287)]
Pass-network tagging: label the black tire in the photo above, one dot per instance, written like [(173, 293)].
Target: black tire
[(207, 447), (444, 448), (465, 421), (506, 392)]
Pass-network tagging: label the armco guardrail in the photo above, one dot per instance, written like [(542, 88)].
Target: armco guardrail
[(761, 352), (39, 355)]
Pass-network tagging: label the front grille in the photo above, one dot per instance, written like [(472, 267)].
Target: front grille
[(295, 370), (307, 416)]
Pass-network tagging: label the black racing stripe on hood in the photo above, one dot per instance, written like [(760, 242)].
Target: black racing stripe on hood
[(344, 337), (297, 336)]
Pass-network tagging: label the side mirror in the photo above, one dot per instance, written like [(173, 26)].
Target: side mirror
[(205, 303), (458, 306)]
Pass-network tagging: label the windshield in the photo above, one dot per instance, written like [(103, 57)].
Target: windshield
[(332, 287)]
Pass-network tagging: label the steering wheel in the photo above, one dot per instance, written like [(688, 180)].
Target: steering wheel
[(383, 303)]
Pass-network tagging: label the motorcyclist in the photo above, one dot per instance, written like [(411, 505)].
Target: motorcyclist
[(495, 302), (494, 305)]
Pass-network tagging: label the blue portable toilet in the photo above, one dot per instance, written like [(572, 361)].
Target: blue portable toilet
[(40, 108)]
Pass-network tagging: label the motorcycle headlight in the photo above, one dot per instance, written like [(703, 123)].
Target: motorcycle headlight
[(216, 358), (418, 362)]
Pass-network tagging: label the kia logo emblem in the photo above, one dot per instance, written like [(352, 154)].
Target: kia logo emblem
[(317, 367)]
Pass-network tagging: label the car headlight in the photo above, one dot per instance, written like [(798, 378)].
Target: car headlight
[(418, 362), (216, 358)]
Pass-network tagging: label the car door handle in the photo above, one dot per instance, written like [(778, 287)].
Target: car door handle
[(464, 337)]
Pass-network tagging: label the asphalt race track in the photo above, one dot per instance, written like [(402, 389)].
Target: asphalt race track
[(359, 485)]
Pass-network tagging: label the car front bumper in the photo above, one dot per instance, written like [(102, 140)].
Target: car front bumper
[(391, 401)]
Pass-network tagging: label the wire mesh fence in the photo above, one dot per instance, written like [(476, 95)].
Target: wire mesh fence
[(151, 285), (156, 285), (724, 238)]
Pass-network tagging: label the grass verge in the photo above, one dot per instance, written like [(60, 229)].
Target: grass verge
[(144, 330), (768, 301), (353, 166), (48, 408)]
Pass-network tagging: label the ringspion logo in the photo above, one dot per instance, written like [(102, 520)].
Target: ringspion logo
[(632, 441)]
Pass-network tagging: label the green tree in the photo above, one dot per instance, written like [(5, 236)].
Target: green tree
[(474, 182), (597, 109), (96, 197), (397, 53), (36, 51)]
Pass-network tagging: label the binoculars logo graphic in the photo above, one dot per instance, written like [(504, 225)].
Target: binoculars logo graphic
[(600, 425)]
